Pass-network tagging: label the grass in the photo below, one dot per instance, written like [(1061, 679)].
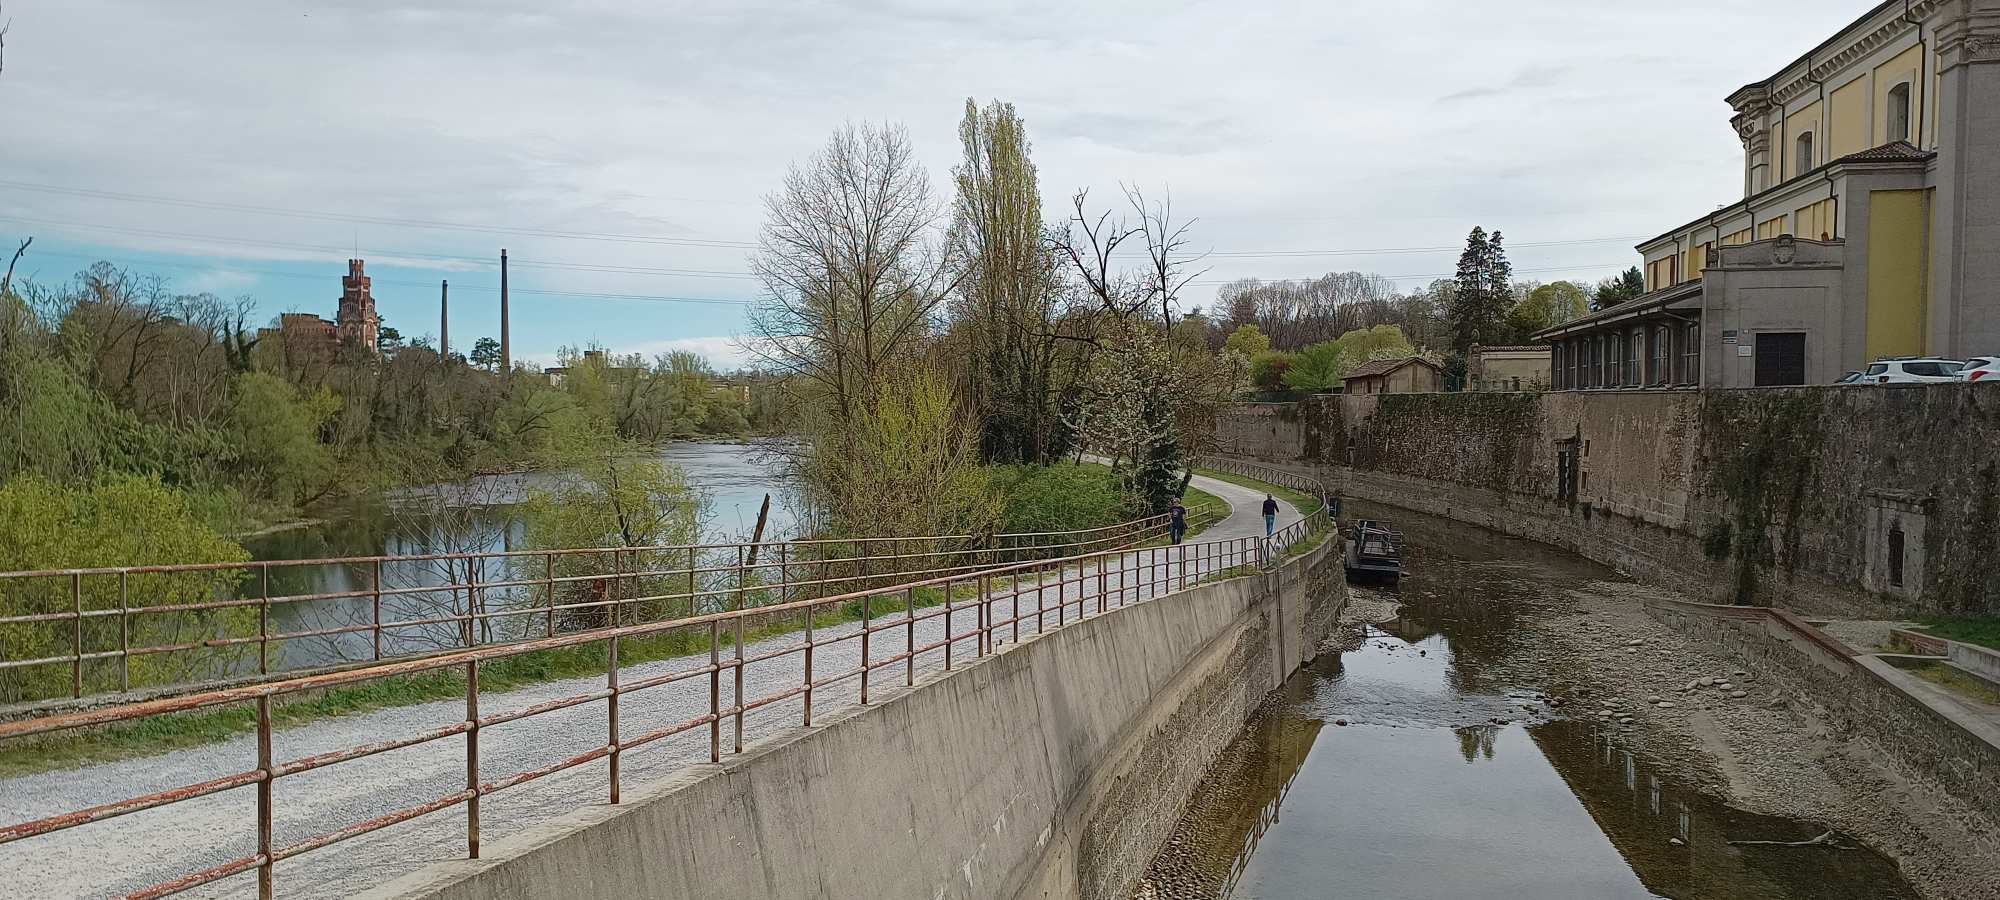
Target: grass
[(1984, 631), (1957, 681)]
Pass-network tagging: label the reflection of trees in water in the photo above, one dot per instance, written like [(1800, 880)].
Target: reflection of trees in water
[(1476, 740), (1644, 816)]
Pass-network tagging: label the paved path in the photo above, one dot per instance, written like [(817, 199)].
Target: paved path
[(128, 853)]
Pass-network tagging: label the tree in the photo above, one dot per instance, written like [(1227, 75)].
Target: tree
[(1008, 293), (1322, 366), (388, 339), (4, 26), (1547, 306), (1248, 340), (1268, 370), (486, 354), (1627, 285), (277, 431), (1482, 295)]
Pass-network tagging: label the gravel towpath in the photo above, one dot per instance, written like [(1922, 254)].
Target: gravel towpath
[(135, 851)]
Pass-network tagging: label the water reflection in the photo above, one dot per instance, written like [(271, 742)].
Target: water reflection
[(1445, 777)]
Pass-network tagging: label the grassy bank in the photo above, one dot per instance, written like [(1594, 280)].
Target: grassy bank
[(1982, 631), (1306, 504)]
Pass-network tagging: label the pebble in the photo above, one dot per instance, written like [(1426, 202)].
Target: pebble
[(1738, 695), (1666, 704), (1654, 698), (1340, 722), (1676, 842), (1634, 642)]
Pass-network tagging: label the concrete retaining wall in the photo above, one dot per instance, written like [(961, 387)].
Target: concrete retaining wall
[(1053, 768), (1863, 695)]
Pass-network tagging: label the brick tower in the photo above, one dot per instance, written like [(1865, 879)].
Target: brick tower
[(356, 321)]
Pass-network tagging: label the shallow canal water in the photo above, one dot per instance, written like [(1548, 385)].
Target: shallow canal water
[(1424, 764)]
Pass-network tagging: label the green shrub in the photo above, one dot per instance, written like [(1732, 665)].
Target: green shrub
[(1060, 498)]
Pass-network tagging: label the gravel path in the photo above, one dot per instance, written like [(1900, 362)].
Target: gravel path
[(135, 851)]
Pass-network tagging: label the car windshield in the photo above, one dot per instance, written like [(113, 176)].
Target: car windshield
[(1878, 368)]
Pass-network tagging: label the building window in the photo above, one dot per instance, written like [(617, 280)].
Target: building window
[(1635, 358), (1899, 112), (1691, 353), (1661, 340), (1805, 153)]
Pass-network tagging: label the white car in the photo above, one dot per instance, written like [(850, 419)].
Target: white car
[(1911, 370), (1981, 368)]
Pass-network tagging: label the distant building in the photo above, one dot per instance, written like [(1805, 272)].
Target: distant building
[(1409, 375), (1507, 368), (1869, 224), (356, 323)]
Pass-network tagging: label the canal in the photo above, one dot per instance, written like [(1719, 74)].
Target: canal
[(1425, 759)]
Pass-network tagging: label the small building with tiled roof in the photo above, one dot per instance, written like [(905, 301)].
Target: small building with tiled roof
[(1408, 375), (1869, 224)]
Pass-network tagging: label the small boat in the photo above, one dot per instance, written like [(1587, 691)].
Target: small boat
[(1374, 550)]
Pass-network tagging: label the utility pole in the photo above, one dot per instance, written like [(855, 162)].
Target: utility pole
[(506, 351), (444, 320)]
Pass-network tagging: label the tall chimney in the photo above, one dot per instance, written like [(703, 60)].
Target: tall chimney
[(444, 320), (506, 351)]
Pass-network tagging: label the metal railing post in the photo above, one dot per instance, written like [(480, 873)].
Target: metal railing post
[(472, 758), (124, 634), (549, 588), (266, 868), (910, 634), (864, 647), (738, 699), (263, 622), (947, 624), (811, 614), (375, 595), (611, 683), (714, 691)]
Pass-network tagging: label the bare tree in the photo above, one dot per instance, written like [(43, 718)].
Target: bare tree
[(7, 282), (1166, 248), (3, 40), (851, 273), (1090, 245)]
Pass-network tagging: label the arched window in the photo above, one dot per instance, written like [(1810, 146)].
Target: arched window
[(1805, 153), (1899, 112)]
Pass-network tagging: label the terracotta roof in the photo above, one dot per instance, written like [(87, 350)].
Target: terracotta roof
[(1894, 151), (1384, 367)]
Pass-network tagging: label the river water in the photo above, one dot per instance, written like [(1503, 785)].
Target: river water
[(477, 515), (1423, 764)]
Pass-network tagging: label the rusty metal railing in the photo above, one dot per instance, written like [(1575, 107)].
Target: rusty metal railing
[(1306, 484), (84, 629), (977, 610)]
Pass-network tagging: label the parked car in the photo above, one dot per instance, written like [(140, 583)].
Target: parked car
[(1912, 370), (1850, 378), (1981, 368)]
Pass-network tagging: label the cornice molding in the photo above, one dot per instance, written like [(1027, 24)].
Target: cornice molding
[(1974, 38), (1858, 48)]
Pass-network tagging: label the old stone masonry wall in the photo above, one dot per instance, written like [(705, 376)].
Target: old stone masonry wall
[(1868, 500)]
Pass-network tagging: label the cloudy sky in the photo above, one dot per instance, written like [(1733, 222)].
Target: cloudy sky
[(619, 148)]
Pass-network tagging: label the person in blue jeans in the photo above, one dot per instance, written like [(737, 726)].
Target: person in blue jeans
[(1177, 520), (1270, 515)]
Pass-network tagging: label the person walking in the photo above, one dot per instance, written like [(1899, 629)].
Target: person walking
[(1270, 515), (1177, 520)]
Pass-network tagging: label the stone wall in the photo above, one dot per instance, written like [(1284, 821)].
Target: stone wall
[(1053, 768), (1864, 696), (1870, 500)]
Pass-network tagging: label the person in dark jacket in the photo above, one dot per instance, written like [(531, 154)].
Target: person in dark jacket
[(1177, 520), (1270, 515)]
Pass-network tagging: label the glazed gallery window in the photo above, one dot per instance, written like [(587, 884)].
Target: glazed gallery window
[(1805, 153)]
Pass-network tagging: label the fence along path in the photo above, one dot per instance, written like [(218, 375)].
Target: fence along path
[(85, 630), (378, 783)]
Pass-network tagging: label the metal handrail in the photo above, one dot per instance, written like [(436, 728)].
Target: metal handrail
[(997, 612), (461, 586)]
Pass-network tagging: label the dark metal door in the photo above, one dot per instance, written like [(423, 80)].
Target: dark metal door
[(1781, 359)]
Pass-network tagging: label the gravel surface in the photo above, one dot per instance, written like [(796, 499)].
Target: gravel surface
[(1766, 750), (141, 849)]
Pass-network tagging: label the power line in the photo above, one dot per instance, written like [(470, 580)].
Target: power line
[(482, 262), (1311, 278), (371, 220), (690, 242), (582, 295)]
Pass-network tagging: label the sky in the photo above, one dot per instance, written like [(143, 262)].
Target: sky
[(620, 150)]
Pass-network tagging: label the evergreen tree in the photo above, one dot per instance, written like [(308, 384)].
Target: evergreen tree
[(1610, 292), (1482, 293)]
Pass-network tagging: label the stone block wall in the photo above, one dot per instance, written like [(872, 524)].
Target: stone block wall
[(1869, 500)]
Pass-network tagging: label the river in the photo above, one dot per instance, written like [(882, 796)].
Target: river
[(477, 515), (1425, 763)]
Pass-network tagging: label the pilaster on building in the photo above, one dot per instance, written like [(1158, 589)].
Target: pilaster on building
[(1869, 225)]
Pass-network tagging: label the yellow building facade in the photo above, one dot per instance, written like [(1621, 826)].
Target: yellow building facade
[(1869, 224)]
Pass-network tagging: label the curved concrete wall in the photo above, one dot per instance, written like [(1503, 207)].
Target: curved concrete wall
[(1051, 769)]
